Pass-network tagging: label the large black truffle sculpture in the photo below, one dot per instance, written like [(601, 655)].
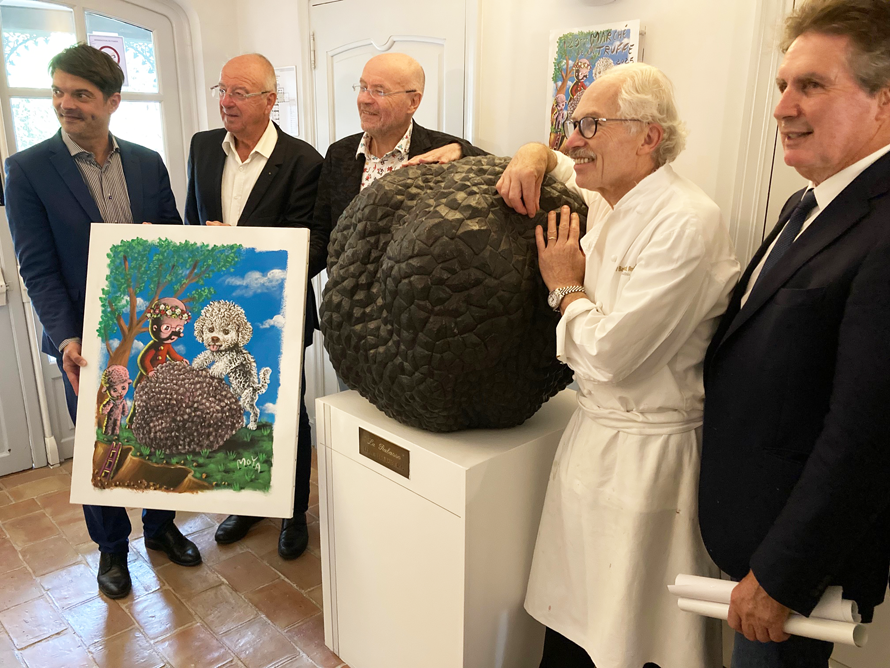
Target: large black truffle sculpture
[(434, 309)]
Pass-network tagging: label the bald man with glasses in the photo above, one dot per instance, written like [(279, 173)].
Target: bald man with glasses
[(389, 92)]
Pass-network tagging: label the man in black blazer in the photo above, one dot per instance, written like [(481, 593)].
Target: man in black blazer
[(252, 173), (389, 92), (796, 452)]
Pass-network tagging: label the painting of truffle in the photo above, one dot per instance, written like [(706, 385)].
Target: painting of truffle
[(193, 337), (434, 309)]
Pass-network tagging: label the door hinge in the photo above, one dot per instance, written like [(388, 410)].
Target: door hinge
[(312, 50)]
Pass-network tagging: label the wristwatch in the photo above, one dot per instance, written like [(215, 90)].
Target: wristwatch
[(555, 297)]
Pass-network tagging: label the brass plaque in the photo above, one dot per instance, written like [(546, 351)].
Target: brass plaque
[(390, 455)]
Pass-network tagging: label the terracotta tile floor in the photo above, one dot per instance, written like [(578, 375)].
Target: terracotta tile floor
[(244, 607)]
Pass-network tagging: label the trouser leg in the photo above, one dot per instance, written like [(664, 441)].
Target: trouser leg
[(304, 457), (796, 652), (153, 521), (109, 527), (560, 652)]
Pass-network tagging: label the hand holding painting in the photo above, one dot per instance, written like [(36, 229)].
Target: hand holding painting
[(72, 362)]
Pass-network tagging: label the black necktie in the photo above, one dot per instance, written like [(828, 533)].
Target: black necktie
[(789, 232)]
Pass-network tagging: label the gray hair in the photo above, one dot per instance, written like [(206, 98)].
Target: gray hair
[(647, 94), (866, 23)]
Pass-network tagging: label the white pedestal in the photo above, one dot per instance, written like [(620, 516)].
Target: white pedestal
[(430, 570)]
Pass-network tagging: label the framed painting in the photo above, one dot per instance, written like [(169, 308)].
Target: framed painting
[(191, 396), (577, 59)]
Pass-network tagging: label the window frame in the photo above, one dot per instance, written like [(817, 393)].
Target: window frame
[(175, 71)]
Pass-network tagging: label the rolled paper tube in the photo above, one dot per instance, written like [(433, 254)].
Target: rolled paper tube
[(831, 606), (845, 633)]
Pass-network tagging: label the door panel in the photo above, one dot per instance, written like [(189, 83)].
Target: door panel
[(18, 411), (349, 33)]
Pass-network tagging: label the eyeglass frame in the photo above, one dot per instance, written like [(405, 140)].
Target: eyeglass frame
[(219, 93), (359, 89), (596, 124)]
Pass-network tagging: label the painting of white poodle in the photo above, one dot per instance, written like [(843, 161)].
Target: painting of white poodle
[(224, 330)]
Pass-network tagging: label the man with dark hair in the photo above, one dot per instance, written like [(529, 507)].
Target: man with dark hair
[(389, 92), (81, 61), (55, 190), (796, 453), (252, 173)]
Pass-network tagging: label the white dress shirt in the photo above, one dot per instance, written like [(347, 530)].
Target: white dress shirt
[(825, 192), (239, 177)]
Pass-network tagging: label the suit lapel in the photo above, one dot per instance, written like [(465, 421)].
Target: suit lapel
[(211, 174), (420, 141), (62, 160), (354, 169), (844, 212), (270, 170), (133, 178)]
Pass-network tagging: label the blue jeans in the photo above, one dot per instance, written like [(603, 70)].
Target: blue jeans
[(796, 652)]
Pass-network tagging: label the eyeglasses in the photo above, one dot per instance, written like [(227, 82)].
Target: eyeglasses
[(588, 125), (376, 92), (219, 93)]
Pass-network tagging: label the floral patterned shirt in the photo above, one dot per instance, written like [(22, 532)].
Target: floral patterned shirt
[(376, 167)]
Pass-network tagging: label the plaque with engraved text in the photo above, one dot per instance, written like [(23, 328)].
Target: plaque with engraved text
[(385, 453)]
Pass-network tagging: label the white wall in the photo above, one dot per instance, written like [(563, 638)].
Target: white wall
[(702, 45), (706, 47), (215, 35)]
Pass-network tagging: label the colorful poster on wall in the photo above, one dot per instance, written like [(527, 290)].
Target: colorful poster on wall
[(578, 58), (191, 398)]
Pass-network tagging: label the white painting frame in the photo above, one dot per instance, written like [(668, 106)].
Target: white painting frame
[(263, 247)]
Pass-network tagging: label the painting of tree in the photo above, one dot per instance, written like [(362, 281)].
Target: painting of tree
[(167, 268)]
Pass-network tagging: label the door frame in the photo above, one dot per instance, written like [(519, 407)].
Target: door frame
[(758, 138)]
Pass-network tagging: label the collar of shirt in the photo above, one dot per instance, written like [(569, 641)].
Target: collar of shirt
[(641, 197), (834, 185), (264, 146), (75, 149), (399, 151)]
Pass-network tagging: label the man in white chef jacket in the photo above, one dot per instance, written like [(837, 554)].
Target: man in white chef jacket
[(640, 295)]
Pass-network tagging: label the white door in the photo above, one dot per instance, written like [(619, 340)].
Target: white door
[(21, 435), (346, 34)]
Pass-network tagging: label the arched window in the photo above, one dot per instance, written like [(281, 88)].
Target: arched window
[(151, 111)]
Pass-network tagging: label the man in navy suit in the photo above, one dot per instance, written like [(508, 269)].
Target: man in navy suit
[(796, 450), (55, 190), (251, 173)]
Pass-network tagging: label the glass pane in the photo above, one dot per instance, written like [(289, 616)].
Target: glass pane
[(140, 122), (33, 119), (32, 34), (139, 51)]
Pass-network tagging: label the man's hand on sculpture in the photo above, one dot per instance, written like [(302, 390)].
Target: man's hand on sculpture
[(755, 613), (520, 184), (442, 155), (72, 363), (560, 257), (216, 223)]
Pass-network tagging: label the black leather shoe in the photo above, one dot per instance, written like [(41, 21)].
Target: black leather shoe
[(294, 537), (177, 547), (234, 528), (114, 576)]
